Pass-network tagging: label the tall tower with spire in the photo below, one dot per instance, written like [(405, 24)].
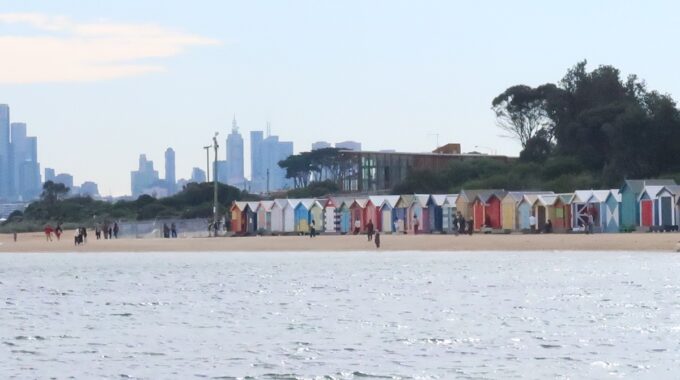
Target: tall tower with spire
[(235, 175)]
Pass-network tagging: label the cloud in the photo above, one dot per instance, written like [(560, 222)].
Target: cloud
[(61, 50)]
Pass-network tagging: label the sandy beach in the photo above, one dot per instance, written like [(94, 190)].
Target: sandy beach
[(35, 242)]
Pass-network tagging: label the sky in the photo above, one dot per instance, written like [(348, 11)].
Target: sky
[(100, 82)]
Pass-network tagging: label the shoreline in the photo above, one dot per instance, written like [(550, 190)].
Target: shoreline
[(633, 242)]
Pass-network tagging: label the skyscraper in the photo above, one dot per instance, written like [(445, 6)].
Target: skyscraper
[(50, 174), (5, 172), (258, 170), (266, 153), (24, 169), (197, 175), (170, 180), (235, 157), (144, 177)]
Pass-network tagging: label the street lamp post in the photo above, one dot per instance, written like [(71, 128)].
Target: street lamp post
[(207, 162), (216, 146)]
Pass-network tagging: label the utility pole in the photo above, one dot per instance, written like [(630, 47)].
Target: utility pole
[(207, 162), (216, 146), (267, 181)]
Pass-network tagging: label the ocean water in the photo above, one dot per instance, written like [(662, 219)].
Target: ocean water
[(406, 315)]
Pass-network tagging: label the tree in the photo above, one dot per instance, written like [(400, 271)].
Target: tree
[(538, 148), (521, 111), (53, 192)]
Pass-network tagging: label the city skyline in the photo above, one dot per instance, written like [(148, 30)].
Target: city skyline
[(316, 71)]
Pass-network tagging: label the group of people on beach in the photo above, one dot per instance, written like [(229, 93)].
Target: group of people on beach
[(110, 231), (169, 231)]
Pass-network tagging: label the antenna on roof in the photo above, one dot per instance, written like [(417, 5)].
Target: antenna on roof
[(269, 128)]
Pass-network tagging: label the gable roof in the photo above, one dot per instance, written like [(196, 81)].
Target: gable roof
[(547, 199), (406, 200), (637, 185), (390, 200), (266, 205), (239, 205), (673, 189), (530, 198), (615, 195), (361, 202), (651, 191), (377, 200), (306, 203), (482, 194), (566, 198), (438, 199), (422, 199), (582, 196), (599, 196), (451, 199)]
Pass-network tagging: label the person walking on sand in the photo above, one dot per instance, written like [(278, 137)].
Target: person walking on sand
[(58, 231), (173, 230), (377, 239), (48, 232), (357, 226), (416, 224), (115, 230), (454, 224), (532, 224), (462, 223), (312, 229), (370, 230), (396, 225), (470, 226)]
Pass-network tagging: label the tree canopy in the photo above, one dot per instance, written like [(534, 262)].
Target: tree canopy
[(614, 127)]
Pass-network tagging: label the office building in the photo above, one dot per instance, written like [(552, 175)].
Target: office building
[(320, 145), (170, 180), (349, 145), (5, 172), (65, 179), (266, 153), (235, 175), (50, 174), (144, 177), (89, 189), (197, 175)]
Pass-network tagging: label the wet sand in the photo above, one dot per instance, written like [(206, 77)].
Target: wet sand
[(35, 242)]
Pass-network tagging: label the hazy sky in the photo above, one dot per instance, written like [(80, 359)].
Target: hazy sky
[(100, 82)]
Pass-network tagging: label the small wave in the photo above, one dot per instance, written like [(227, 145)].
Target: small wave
[(551, 346), (370, 376), (24, 352), (121, 314)]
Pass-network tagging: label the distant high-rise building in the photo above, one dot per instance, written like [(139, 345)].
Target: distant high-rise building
[(320, 145), (143, 178), (65, 179), (197, 175), (258, 168), (235, 176), (349, 145), (5, 169), (222, 170), (50, 174), (19, 167), (89, 188), (267, 175), (170, 171)]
